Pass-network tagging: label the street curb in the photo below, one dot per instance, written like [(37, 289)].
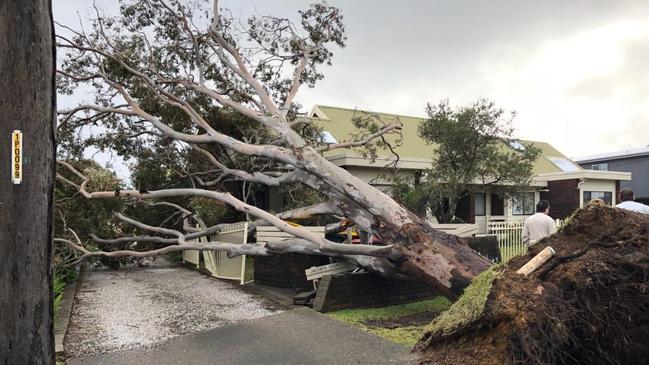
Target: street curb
[(63, 319)]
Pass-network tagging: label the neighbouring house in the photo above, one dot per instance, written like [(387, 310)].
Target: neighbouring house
[(557, 178), (635, 161)]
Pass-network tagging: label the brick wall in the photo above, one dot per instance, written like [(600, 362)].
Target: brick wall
[(366, 290), (563, 197), (286, 271)]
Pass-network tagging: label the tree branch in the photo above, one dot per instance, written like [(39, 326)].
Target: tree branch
[(322, 243), (364, 141)]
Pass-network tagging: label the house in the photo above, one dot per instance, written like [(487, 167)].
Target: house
[(635, 161), (556, 178)]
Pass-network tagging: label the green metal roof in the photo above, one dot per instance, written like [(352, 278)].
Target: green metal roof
[(338, 122)]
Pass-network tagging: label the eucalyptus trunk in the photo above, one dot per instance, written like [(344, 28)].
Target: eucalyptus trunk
[(28, 105)]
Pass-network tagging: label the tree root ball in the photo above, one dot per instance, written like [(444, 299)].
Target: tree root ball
[(588, 305)]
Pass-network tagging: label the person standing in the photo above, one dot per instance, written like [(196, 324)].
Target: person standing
[(539, 225), (627, 197)]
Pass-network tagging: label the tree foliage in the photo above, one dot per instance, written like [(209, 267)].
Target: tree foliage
[(473, 147)]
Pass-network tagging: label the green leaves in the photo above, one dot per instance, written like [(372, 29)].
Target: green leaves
[(471, 151)]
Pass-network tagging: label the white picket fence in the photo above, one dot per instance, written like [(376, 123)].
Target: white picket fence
[(510, 238)]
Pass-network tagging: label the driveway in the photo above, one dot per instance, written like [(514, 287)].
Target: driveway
[(300, 336), (142, 307)]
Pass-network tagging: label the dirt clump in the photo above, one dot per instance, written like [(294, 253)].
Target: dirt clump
[(588, 305)]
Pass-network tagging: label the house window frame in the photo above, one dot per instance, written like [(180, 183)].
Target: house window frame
[(532, 208), (590, 196), (599, 166), (484, 204)]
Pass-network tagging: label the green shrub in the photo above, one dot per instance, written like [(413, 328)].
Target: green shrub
[(57, 287)]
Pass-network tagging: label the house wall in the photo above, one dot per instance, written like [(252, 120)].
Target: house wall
[(597, 185), (637, 166), (564, 197), (482, 221), (371, 175)]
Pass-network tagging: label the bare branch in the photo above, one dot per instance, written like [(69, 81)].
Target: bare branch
[(240, 67), (190, 236), (256, 176), (295, 85), (364, 141), (322, 243), (186, 212), (242, 249), (172, 232), (323, 208)]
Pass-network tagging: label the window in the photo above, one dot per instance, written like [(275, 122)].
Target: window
[(259, 200), (516, 145), (606, 196), (480, 203), (523, 203), (497, 204), (563, 163), (328, 138), (599, 166)]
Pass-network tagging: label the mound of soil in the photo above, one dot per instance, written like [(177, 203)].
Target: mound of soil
[(588, 305)]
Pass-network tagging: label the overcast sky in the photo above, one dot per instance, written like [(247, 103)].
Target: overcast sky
[(576, 72)]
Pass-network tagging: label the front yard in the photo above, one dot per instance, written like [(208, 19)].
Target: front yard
[(403, 324)]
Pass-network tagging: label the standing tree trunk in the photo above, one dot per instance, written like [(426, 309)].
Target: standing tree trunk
[(27, 69)]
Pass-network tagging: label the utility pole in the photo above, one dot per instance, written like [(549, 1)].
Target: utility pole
[(27, 171)]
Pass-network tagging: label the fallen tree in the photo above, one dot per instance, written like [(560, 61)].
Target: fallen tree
[(196, 54), (588, 305)]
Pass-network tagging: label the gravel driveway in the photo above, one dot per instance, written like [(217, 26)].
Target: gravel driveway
[(140, 307)]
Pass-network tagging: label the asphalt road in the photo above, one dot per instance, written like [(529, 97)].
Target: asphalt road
[(300, 336)]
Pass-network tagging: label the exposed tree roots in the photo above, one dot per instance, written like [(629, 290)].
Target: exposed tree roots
[(587, 305)]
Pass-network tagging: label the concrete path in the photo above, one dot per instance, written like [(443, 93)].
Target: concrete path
[(300, 336)]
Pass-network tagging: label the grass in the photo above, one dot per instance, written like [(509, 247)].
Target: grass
[(508, 252), (58, 285), (470, 305), (249, 274), (406, 335)]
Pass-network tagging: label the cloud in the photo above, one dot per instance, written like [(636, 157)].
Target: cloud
[(573, 70)]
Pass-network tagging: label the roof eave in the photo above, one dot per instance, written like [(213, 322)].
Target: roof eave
[(585, 174)]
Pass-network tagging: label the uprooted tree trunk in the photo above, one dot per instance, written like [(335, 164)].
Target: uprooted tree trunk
[(413, 249)]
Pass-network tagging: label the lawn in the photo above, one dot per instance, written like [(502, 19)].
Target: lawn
[(404, 323)]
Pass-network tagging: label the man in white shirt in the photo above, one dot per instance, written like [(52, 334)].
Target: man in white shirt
[(540, 225), (627, 198)]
